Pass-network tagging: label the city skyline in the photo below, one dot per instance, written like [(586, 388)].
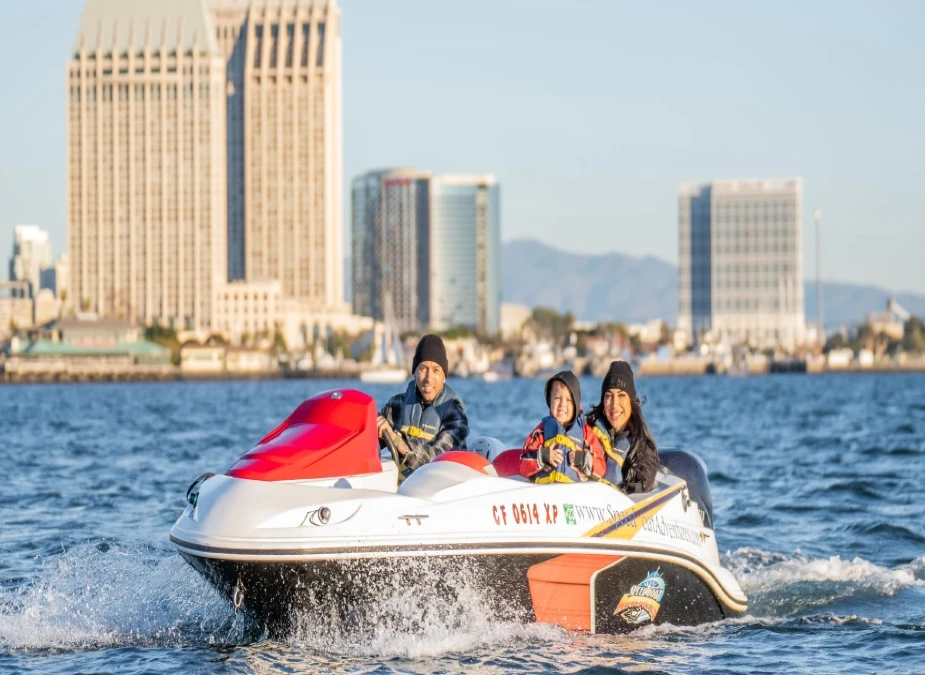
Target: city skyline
[(837, 108)]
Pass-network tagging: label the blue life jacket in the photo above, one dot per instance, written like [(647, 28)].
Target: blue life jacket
[(416, 421), (614, 452), (569, 440)]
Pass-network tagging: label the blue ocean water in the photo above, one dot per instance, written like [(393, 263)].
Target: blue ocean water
[(818, 489)]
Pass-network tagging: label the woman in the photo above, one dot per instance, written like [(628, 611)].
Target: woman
[(632, 456)]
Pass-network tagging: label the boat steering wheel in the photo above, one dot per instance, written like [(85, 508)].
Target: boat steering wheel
[(393, 450)]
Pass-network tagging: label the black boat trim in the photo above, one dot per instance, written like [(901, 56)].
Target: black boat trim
[(487, 547)]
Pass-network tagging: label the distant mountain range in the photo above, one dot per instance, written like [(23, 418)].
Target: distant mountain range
[(620, 287)]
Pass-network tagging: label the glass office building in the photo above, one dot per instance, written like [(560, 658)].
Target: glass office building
[(740, 263), (465, 253), (391, 230)]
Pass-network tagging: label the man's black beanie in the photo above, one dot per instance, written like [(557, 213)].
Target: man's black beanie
[(430, 348), (619, 376), (566, 377)]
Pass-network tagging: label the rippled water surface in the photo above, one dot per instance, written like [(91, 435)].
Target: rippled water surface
[(817, 489)]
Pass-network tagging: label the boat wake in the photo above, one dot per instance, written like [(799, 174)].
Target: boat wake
[(107, 594), (780, 585)]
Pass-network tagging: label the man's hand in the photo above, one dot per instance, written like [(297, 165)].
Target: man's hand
[(385, 429), (387, 432)]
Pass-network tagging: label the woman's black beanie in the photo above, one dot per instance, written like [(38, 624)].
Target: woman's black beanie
[(619, 376)]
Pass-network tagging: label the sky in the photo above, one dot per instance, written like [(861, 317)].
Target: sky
[(589, 113)]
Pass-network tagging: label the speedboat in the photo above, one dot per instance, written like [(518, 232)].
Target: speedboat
[(315, 516)]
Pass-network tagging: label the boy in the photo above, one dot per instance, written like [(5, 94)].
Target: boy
[(562, 448)]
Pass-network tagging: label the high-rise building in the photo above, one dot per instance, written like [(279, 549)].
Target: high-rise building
[(204, 145), (146, 162), (391, 247), (740, 262), (465, 253), (283, 112), (31, 255)]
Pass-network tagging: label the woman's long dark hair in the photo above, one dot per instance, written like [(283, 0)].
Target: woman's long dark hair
[(638, 428), (636, 425)]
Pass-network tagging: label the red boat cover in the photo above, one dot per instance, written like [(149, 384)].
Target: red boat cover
[(470, 459), (331, 434), (507, 464)]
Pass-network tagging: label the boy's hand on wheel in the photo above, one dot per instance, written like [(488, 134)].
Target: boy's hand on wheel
[(582, 463)]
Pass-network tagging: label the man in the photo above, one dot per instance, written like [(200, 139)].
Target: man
[(428, 418)]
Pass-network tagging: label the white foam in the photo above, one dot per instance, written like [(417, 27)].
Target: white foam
[(917, 567), (838, 620), (759, 570), (439, 641), (442, 614), (106, 595)]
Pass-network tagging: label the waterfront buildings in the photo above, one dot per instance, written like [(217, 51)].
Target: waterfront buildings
[(203, 145), (46, 307), (199, 359), (31, 256), (465, 253), (303, 326), (88, 338), (428, 246), (16, 306), (218, 359), (247, 309), (740, 262), (391, 247), (885, 323), (85, 348), (513, 318)]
